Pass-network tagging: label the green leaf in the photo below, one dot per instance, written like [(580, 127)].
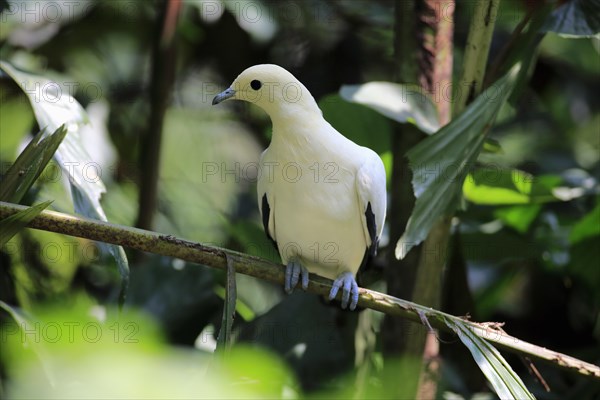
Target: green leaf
[(587, 227), (10, 226), (518, 217), (441, 161), (53, 107), (224, 338), (30, 164), (492, 186), (499, 373), (400, 102), (575, 19)]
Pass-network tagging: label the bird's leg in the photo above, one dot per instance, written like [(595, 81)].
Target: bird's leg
[(349, 287), (293, 272)]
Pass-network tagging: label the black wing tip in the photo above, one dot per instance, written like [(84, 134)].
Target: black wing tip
[(371, 250), (266, 212)]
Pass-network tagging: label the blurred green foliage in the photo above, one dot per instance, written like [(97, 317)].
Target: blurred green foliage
[(78, 349), (529, 235)]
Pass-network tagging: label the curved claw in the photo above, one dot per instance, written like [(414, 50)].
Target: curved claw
[(349, 287), (293, 272)]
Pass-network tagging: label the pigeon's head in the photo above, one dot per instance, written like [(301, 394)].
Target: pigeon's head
[(268, 86)]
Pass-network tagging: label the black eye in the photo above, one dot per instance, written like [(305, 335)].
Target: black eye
[(255, 84)]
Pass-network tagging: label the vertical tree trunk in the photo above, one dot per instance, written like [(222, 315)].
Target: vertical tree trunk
[(423, 50), (161, 83), (438, 19), (400, 274)]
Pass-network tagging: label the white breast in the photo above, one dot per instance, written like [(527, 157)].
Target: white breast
[(315, 208)]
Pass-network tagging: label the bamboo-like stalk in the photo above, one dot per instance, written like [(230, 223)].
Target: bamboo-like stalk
[(257, 267), (435, 74), (434, 251), (476, 52)]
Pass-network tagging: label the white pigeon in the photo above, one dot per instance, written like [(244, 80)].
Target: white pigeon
[(321, 196)]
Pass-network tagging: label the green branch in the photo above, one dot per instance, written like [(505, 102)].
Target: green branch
[(476, 51), (216, 257)]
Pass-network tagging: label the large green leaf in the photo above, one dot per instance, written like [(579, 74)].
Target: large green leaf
[(400, 102), (30, 164), (10, 226), (499, 373), (575, 18), (441, 161), (53, 107)]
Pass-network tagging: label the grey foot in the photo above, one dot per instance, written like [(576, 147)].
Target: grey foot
[(293, 272), (349, 287)]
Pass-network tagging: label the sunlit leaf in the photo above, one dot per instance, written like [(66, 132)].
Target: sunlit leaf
[(575, 18), (441, 161), (587, 227), (499, 373), (400, 102), (10, 226), (53, 107), (493, 186), (518, 217), (30, 164)]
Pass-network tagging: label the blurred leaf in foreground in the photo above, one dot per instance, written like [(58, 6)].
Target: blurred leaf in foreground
[(94, 354)]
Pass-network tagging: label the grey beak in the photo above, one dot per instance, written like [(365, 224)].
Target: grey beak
[(224, 95)]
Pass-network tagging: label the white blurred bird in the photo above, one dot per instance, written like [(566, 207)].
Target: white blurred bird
[(322, 197)]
